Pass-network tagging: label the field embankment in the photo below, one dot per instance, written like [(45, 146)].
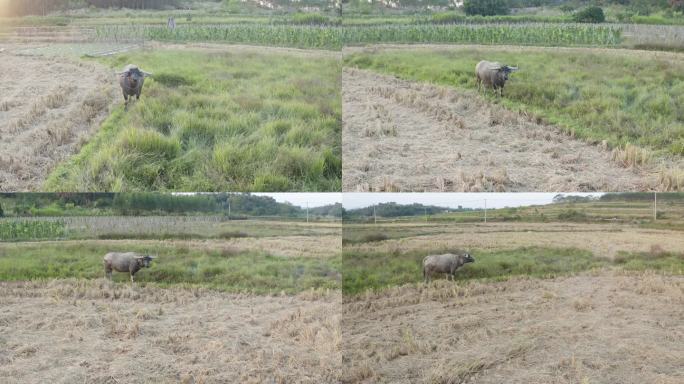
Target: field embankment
[(235, 119), (67, 331), (603, 326), (49, 108)]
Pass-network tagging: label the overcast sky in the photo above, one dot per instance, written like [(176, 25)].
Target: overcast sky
[(300, 199), (452, 200)]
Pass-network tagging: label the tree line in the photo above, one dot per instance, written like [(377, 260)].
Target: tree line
[(144, 203), (43, 7), (398, 210)]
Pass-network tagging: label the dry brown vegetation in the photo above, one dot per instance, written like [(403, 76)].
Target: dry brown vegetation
[(75, 331), (406, 136), (283, 246), (49, 107), (605, 327), (603, 240)]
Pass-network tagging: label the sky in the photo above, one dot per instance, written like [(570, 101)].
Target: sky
[(453, 200), (300, 199)]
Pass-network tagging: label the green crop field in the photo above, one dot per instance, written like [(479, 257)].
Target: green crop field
[(207, 121), (281, 35), (623, 99), (514, 34)]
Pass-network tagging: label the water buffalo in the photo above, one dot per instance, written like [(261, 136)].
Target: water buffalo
[(447, 263), (130, 262), (131, 80), (492, 75)]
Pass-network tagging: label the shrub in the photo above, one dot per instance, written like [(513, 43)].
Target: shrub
[(310, 19), (590, 15), (375, 237), (486, 7)]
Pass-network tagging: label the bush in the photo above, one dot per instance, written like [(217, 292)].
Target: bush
[(486, 7), (447, 18), (373, 237), (590, 15)]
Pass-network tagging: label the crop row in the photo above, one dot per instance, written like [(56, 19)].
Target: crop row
[(334, 37), (16, 230)]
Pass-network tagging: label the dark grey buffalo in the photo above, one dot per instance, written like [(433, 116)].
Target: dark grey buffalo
[(447, 263), (492, 75), (130, 262), (131, 81)]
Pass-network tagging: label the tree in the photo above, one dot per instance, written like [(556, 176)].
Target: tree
[(486, 7), (1, 212), (590, 15), (677, 5)]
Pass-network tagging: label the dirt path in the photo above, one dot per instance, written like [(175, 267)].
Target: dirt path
[(49, 107), (602, 328), (73, 331), (406, 136)]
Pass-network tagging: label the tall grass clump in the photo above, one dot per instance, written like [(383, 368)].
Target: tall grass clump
[(229, 121)]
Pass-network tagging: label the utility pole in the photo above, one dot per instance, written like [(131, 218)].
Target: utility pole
[(228, 209), (375, 218), (425, 208), (655, 206), (307, 211), (485, 210)]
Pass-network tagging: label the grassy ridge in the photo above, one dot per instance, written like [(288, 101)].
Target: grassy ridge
[(374, 271), (220, 269), (224, 121), (618, 98)]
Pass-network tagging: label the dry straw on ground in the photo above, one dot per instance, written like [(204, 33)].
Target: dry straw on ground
[(76, 331), (49, 108), (605, 326), (604, 240)]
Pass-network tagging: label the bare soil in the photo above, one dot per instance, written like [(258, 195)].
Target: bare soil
[(603, 240), (407, 136), (49, 107), (78, 331), (605, 327)]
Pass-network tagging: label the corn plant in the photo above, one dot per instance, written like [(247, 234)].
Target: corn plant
[(27, 229)]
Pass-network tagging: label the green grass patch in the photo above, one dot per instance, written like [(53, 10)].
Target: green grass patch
[(621, 99), (376, 271), (364, 271), (253, 272), (241, 121), (655, 259)]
